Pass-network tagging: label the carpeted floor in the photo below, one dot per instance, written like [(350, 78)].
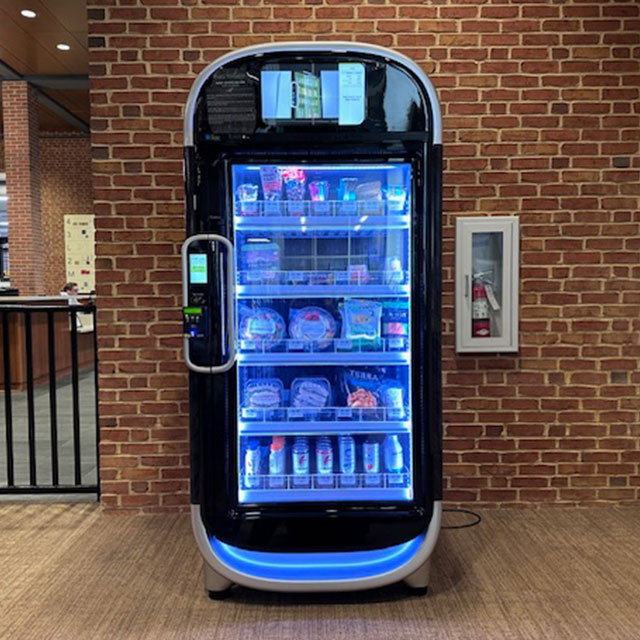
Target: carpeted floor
[(67, 571)]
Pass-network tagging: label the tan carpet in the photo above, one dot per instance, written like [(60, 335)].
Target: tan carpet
[(68, 572)]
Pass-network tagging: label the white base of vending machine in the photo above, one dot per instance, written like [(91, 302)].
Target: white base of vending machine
[(225, 564)]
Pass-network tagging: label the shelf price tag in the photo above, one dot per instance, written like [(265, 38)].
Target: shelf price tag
[(272, 208), (295, 413), (343, 345), (247, 345), (295, 345), (250, 414), (344, 412)]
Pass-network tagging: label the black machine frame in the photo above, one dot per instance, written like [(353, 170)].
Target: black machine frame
[(213, 403)]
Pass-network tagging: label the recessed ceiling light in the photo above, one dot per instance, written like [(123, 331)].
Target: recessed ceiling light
[(28, 13), (63, 46)]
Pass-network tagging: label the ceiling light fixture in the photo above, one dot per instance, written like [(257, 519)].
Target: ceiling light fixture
[(63, 46), (28, 13)]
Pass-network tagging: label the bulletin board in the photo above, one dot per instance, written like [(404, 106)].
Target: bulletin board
[(79, 240)]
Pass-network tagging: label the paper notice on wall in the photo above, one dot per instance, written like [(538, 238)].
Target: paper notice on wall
[(79, 245)]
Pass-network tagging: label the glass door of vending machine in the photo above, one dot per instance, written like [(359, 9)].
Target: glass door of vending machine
[(323, 295)]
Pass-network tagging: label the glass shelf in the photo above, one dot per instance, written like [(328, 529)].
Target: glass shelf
[(318, 427), (267, 211), (321, 223), (325, 487), (349, 416), (337, 351), (322, 290)]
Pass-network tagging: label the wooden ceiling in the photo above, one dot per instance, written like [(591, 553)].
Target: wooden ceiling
[(28, 46)]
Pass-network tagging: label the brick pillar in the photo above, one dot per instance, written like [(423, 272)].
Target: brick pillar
[(22, 166)]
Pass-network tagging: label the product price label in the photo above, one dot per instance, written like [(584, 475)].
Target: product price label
[(344, 345), (248, 345), (344, 412), (295, 208), (297, 276), (349, 208), (371, 206), (249, 414), (295, 414), (296, 345), (272, 208), (320, 208), (395, 343)]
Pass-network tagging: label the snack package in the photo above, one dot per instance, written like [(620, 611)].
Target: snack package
[(361, 387), (271, 179), (262, 328), (294, 184), (395, 323), (396, 198), (392, 396), (264, 393), (248, 196), (393, 271), (314, 393), (261, 259), (312, 324), (369, 191), (361, 319), (358, 274)]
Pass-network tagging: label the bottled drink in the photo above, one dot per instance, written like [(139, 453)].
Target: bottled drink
[(252, 464), (393, 459), (276, 463), (300, 455), (347, 447), (371, 462), (324, 462)]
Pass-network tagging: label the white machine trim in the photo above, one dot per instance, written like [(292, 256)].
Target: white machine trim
[(300, 47), (347, 584)]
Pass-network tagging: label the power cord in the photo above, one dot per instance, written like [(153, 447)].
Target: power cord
[(473, 523)]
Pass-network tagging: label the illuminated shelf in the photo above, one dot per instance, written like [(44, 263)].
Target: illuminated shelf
[(376, 418), (327, 488), (329, 209), (313, 427), (321, 290), (336, 351), (322, 224)]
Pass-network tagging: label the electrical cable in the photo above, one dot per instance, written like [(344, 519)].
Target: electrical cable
[(477, 516)]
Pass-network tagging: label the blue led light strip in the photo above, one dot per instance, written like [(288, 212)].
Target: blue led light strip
[(315, 566)]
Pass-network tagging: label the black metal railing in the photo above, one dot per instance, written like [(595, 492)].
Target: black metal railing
[(50, 362)]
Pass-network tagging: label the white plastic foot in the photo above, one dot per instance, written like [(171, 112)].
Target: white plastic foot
[(419, 579), (214, 583)]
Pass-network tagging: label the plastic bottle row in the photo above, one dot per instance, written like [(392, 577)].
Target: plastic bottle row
[(344, 461)]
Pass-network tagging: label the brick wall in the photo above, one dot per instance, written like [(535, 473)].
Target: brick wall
[(542, 118), (21, 151), (66, 189), (65, 186)]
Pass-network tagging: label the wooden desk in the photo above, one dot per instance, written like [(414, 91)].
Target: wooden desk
[(40, 341)]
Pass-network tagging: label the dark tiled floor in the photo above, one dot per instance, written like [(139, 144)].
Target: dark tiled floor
[(42, 414)]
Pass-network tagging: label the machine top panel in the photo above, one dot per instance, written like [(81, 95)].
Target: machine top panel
[(328, 91)]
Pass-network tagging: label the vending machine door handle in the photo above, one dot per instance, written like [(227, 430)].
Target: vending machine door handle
[(230, 323)]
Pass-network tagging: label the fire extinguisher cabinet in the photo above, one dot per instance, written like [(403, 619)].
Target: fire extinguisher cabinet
[(487, 265)]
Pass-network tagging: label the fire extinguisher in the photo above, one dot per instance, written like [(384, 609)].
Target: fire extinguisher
[(481, 324)]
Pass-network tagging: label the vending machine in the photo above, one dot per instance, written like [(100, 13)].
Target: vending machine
[(311, 290)]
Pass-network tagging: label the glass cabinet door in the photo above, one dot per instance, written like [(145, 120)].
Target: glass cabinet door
[(323, 299), (486, 284)]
